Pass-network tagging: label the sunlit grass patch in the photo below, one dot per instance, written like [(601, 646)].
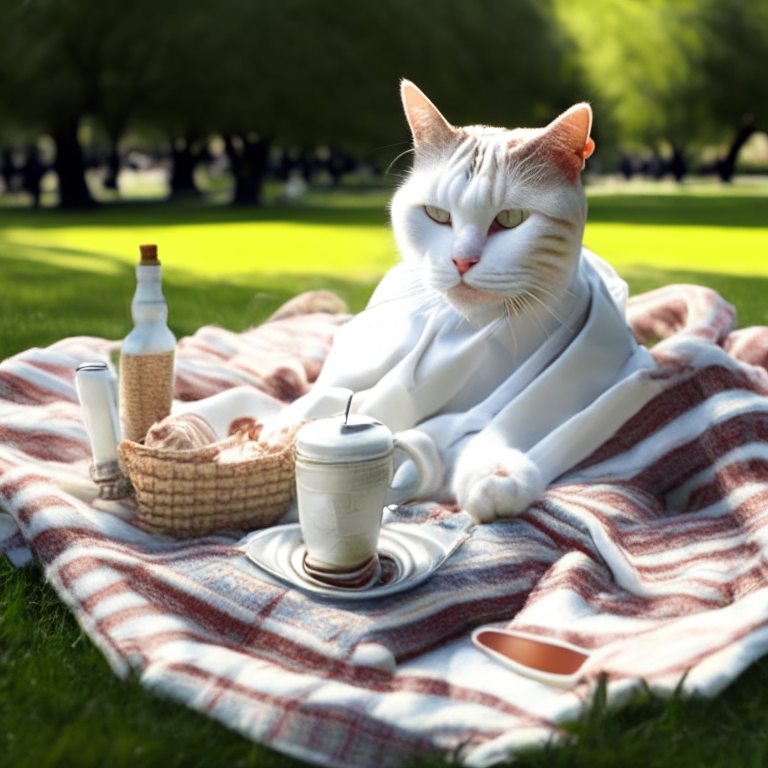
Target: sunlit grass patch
[(224, 248), (717, 250)]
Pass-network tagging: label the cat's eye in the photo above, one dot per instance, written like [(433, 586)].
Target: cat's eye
[(437, 214), (510, 219)]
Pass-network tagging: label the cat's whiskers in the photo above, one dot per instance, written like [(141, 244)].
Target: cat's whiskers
[(513, 305), (443, 271), (469, 173), (554, 297), (459, 320), (408, 151), (495, 326), (520, 304), (442, 279), (540, 292), (530, 277), (550, 310), (532, 311), (511, 327), (428, 298)]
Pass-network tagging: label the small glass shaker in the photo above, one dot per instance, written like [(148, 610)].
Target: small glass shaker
[(97, 392)]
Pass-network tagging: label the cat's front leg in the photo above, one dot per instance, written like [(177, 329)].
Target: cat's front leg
[(492, 480)]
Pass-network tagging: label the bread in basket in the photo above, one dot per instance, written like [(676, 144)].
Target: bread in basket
[(194, 489)]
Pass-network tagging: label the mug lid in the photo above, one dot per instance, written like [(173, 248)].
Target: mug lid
[(334, 441)]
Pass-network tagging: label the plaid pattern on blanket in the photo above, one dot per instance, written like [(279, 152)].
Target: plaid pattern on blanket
[(651, 552)]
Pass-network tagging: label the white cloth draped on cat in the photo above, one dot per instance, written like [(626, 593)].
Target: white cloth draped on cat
[(416, 364)]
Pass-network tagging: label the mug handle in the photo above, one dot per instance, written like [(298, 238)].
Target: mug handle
[(421, 449)]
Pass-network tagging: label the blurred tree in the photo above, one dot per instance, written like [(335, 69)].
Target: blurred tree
[(63, 59), (306, 72), (318, 73), (682, 72), (489, 61), (734, 55), (184, 105), (297, 72), (639, 58)]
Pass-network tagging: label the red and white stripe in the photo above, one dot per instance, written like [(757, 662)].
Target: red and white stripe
[(650, 552)]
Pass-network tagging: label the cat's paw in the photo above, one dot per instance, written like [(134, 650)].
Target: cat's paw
[(503, 488)]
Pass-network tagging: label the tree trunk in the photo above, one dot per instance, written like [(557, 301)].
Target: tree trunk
[(338, 164), (113, 165), (249, 165), (678, 166), (727, 166), (626, 167), (184, 162), (32, 174), (70, 167)]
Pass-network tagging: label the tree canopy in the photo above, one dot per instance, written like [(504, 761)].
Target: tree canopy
[(685, 72), (302, 72), (310, 72)]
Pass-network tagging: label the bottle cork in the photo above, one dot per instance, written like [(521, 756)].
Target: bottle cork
[(149, 254)]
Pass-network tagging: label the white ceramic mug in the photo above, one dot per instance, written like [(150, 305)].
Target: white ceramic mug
[(343, 472)]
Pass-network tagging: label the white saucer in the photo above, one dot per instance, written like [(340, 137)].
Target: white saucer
[(407, 558)]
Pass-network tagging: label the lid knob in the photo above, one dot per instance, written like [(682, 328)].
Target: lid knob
[(334, 440)]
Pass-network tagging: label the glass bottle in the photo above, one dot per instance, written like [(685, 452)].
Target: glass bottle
[(147, 355)]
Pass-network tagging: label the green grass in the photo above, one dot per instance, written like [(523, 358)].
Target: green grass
[(69, 274)]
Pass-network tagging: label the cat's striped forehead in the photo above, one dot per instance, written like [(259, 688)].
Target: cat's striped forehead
[(485, 166), (497, 142)]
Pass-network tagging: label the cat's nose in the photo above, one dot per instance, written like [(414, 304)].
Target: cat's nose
[(464, 265)]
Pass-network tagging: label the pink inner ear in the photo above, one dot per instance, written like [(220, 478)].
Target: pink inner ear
[(428, 126), (589, 148)]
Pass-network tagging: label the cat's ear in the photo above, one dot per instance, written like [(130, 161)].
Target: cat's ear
[(428, 127), (569, 136)]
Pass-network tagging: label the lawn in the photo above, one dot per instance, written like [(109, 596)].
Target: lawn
[(71, 274)]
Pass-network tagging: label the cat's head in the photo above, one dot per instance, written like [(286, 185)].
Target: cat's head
[(493, 217)]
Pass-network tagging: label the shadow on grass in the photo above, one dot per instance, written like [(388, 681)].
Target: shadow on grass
[(368, 212)]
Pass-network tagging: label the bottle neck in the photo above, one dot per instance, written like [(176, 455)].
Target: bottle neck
[(149, 305)]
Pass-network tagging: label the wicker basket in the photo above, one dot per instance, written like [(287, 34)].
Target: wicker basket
[(191, 493)]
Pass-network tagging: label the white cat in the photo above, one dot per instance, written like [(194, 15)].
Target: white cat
[(492, 338)]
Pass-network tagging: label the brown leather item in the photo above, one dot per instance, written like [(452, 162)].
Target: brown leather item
[(536, 654)]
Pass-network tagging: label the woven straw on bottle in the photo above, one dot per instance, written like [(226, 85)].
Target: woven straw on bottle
[(189, 493), (146, 391)]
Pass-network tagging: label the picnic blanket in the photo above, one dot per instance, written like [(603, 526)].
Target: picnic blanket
[(651, 552)]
